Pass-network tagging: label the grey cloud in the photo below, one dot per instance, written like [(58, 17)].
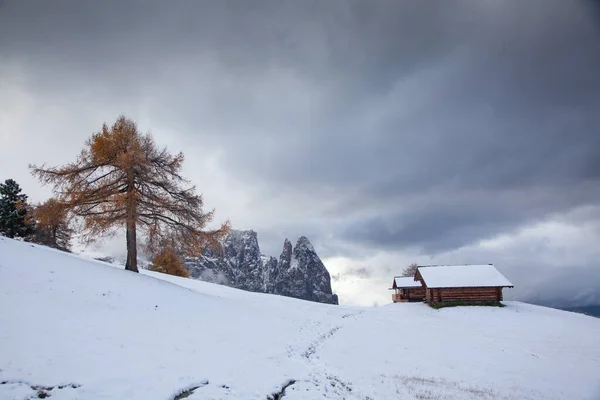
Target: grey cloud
[(311, 37), (361, 272), (560, 289), (452, 219)]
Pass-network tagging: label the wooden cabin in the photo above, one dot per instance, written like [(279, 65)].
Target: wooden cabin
[(407, 289), (468, 284)]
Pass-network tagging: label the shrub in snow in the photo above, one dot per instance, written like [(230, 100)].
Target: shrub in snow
[(52, 225), (168, 262)]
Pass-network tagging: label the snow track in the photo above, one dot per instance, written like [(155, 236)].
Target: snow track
[(27, 390), (281, 393), (188, 391), (308, 353)]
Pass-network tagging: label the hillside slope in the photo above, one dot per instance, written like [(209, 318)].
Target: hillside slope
[(83, 329)]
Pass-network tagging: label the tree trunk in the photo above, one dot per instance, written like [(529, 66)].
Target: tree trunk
[(131, 264)]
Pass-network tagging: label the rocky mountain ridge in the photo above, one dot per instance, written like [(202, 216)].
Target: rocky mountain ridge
[(239, 263)]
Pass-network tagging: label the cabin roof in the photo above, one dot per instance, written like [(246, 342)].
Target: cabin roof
[(406, 282), (448, 276)]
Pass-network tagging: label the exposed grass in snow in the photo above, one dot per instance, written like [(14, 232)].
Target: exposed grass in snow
[(121, 335), (26, 390), (279, 395), (439, 389), (465, 303), (187, 392)]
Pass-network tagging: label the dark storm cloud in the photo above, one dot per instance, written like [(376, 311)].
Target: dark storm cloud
[(452, 219), (431, 125), (371, 41)]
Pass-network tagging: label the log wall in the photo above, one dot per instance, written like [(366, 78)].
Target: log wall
[(416, 294), (467, 295)]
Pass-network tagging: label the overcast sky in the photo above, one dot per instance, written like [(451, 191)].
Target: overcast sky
[(387, 132)]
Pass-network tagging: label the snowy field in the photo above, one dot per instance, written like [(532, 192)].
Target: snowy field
[(73, 328)]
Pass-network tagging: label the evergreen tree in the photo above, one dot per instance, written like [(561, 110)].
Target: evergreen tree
[(14, 218)]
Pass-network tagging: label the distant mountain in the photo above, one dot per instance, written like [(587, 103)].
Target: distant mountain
[(593, 311), (298, 273), (566, 305)]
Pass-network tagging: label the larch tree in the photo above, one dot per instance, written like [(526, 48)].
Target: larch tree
[(52, 225), (122, 179), (411, 270)]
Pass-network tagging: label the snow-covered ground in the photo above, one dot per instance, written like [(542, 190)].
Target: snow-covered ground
[(84, 329)]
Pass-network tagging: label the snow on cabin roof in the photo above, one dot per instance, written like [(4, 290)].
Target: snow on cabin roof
[(406, 282), (445, 276)]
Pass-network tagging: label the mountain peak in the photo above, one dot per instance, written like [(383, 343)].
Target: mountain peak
[(240, 235), (303, 242), (286, 254), (298, 273)]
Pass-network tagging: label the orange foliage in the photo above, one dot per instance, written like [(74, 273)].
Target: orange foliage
[(168, 262), (52, 225)]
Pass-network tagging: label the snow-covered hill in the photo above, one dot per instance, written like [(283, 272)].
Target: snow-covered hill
[(82, 329)]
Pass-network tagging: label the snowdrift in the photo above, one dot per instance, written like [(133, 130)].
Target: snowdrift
[(72, 328)]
